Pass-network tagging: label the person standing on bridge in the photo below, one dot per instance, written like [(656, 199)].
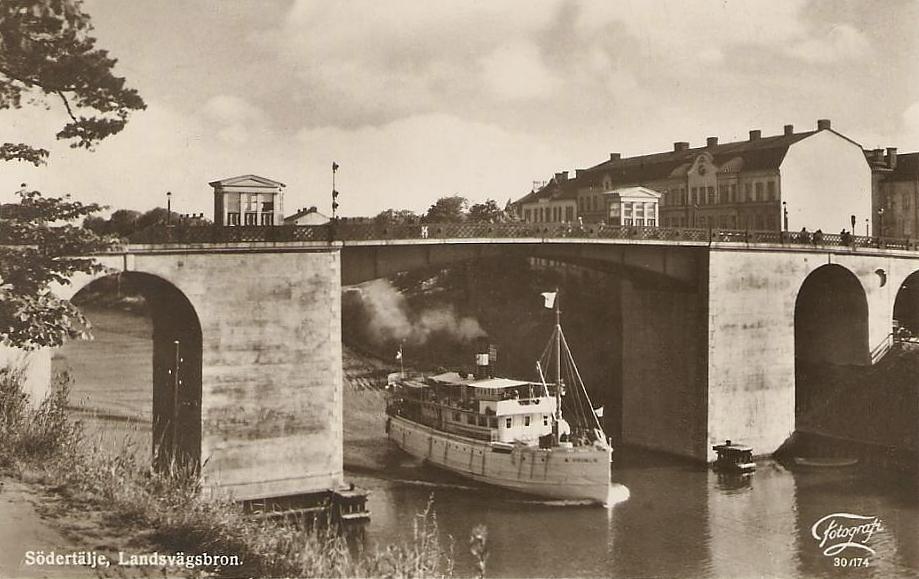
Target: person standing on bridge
[(804, 236)]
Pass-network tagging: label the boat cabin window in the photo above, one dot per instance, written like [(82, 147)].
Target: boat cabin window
[(526, 420), (508, 422), (545, 420)]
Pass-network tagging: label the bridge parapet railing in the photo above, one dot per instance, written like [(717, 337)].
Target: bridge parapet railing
[(345, 231)]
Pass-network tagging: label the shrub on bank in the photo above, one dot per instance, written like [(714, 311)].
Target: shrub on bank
[(44, 445)]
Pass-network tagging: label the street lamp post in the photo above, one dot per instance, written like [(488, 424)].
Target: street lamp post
[(852, 217), (867, 233), (168, 207), (785, 214), (880, 222)]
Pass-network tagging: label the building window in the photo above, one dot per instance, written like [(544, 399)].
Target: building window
[(748, 190), (526, 420), (770, 190), (759, 220), (694, 195), (722, 193), (508, 422), (711, 195), (232, 218), (526, 215), (733, 220), (267, 218), (569, 213), (733, 194), (759, 191), (545, 420), (251, 218)]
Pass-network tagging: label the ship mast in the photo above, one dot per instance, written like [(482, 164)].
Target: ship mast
[(558, 358)]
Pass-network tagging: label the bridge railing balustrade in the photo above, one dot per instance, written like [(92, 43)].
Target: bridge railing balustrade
[(368, 231)]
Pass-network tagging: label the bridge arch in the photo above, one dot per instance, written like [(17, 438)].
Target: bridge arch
[(906, 304), (831, 317), (830, 328), (177, 359)]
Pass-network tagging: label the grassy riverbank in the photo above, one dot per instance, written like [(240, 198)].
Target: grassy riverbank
[(112, 502)]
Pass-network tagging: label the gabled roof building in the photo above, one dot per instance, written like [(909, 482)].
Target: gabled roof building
[(816, 179), (248, 200)]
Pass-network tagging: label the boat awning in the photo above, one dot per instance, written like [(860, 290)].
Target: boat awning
[(496, 383)]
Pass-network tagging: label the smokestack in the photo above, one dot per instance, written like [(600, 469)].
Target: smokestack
[(711, 141), (892, 157), (789, 130), (482, 368), (755, 134), (680, 146), (823, 124), (615, 156)]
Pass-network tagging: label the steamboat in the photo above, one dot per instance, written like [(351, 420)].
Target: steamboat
[(541, 437)]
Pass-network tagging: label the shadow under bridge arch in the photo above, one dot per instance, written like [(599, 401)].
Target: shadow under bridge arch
[(177, 369)]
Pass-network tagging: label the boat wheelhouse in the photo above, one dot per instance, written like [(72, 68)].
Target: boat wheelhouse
[(734, 458)]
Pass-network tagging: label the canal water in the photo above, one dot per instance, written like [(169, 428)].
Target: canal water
[(667, 518)]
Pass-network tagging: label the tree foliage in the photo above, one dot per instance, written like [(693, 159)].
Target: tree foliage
[(39, 247), (395, 217), (47, 56), (47, 53), (487, 212), (450, 209)]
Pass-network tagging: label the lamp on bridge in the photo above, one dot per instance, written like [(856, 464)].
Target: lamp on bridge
[(168, 207), (853, 224), (880, 222), (785, 214)]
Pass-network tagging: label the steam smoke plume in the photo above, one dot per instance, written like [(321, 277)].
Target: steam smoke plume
[(389, 318)]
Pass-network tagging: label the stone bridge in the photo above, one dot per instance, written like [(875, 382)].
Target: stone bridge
[(247, 330)]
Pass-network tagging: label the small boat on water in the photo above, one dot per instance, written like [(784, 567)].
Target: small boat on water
[(734, 458), (533, 436), (825, 462)]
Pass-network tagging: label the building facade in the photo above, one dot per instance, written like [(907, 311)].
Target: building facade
[(632, 206), (815, 179), (307, 216), (554, 202), (248, 200), (896, 192)]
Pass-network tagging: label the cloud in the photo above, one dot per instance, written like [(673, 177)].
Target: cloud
[(839, 43), (236, 118), (517, 71)]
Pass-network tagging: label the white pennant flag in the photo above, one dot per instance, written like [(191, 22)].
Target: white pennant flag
[(550, 299), (399, 353)]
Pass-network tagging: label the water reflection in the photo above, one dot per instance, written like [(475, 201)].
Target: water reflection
[(667, 518)]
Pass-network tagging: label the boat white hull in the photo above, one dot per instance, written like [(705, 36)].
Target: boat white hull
[(578, 473)]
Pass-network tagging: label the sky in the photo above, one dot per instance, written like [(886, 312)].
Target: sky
[(480, 98)]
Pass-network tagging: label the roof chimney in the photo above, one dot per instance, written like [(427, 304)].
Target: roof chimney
[(755, 134), (711, 141), (892, 157), (615, 156), (789, 130), (823, 124), (561, 176), (578, 173), (680, 146)]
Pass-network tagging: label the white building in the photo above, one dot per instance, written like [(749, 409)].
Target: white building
[(632, 206), (248, 200)]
